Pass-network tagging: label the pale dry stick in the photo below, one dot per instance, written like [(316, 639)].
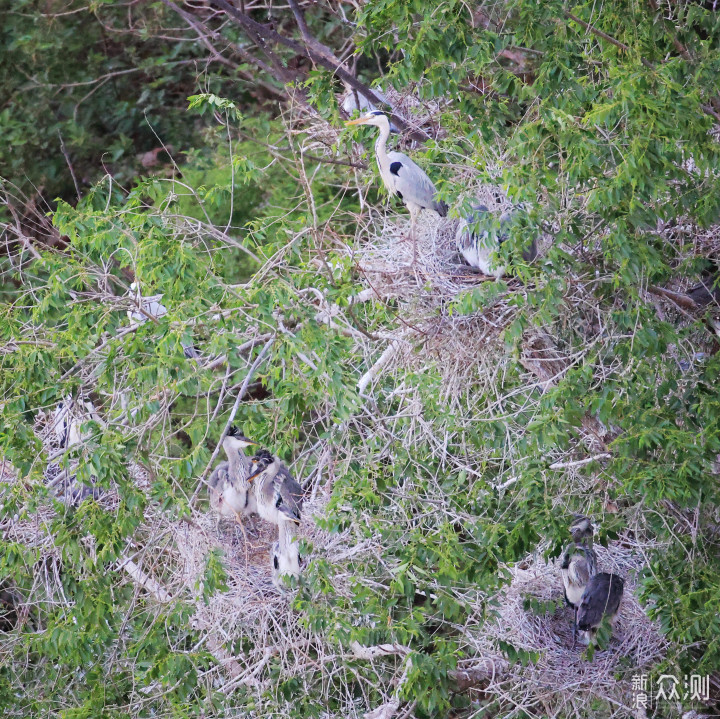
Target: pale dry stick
[(233, 412), (580, 462), (145, 581), (383, 360), (390, 708)]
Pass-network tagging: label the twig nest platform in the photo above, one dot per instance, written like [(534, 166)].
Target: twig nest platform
[(562, 674)]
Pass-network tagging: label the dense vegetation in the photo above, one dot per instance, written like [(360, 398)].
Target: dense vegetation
[(195, 148)]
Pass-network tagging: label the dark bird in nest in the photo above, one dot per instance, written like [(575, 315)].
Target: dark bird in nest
[(601, 599), (578, 565)]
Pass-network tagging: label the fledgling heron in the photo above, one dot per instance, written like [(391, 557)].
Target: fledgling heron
[(150, 307), (285, 555), (401, 176), (69, 423), (219, 486), (601, 599), (355, 101), (229, 486), (278, 496), (478, 241), (578, 567)]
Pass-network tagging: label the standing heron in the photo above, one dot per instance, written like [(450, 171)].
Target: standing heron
[(601, 599), (279, 501), (69, 423), (479, 242), (578, 567), (229, 484), (401, 176), (277, 495)]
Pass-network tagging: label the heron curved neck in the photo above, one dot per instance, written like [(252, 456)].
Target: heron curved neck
[(287, 531), (381, 142), (236, 457)]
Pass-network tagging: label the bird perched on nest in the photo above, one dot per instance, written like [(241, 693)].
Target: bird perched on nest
[(354, 101), (229, 484), (578, 567), (401, 176), (68, 420), (600, 599), (478, 239), (277, 495), (279, 500)]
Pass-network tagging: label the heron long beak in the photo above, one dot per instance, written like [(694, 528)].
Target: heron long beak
[(253, 475), (357, 121)]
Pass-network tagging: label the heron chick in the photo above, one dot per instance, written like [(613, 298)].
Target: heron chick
[(478, 241), (601, 599), (277, 494), (229, 485), (578, 567), (401, 176)]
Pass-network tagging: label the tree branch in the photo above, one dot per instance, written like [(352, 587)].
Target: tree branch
[(260, 34), (258, 361)]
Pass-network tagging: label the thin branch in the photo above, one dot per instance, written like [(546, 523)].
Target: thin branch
[(145, 581), (69, 164), (260, 34), (580, 462), (258, 361)]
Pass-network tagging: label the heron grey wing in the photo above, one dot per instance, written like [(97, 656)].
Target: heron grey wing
[(410, 181), (220, 472), (580, 570), (290, 494), (602, 596)]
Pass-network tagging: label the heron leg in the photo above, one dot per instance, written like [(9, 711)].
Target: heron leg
[(246, 542), (413, 232), (575, 629)]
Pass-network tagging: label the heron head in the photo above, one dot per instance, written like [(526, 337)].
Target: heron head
[(374, 117), (260, 462), (237, 440), (581, 528)]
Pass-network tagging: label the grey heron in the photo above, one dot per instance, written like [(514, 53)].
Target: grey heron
[(401, 176), (601, 599), (218, 486), (277, 494), (228, 486), (285, 555), (356, 101), (478, 241), (69, 421), (150, 307), (578, 567)]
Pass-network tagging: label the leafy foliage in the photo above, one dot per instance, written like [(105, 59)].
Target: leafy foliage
[(604, 122)]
